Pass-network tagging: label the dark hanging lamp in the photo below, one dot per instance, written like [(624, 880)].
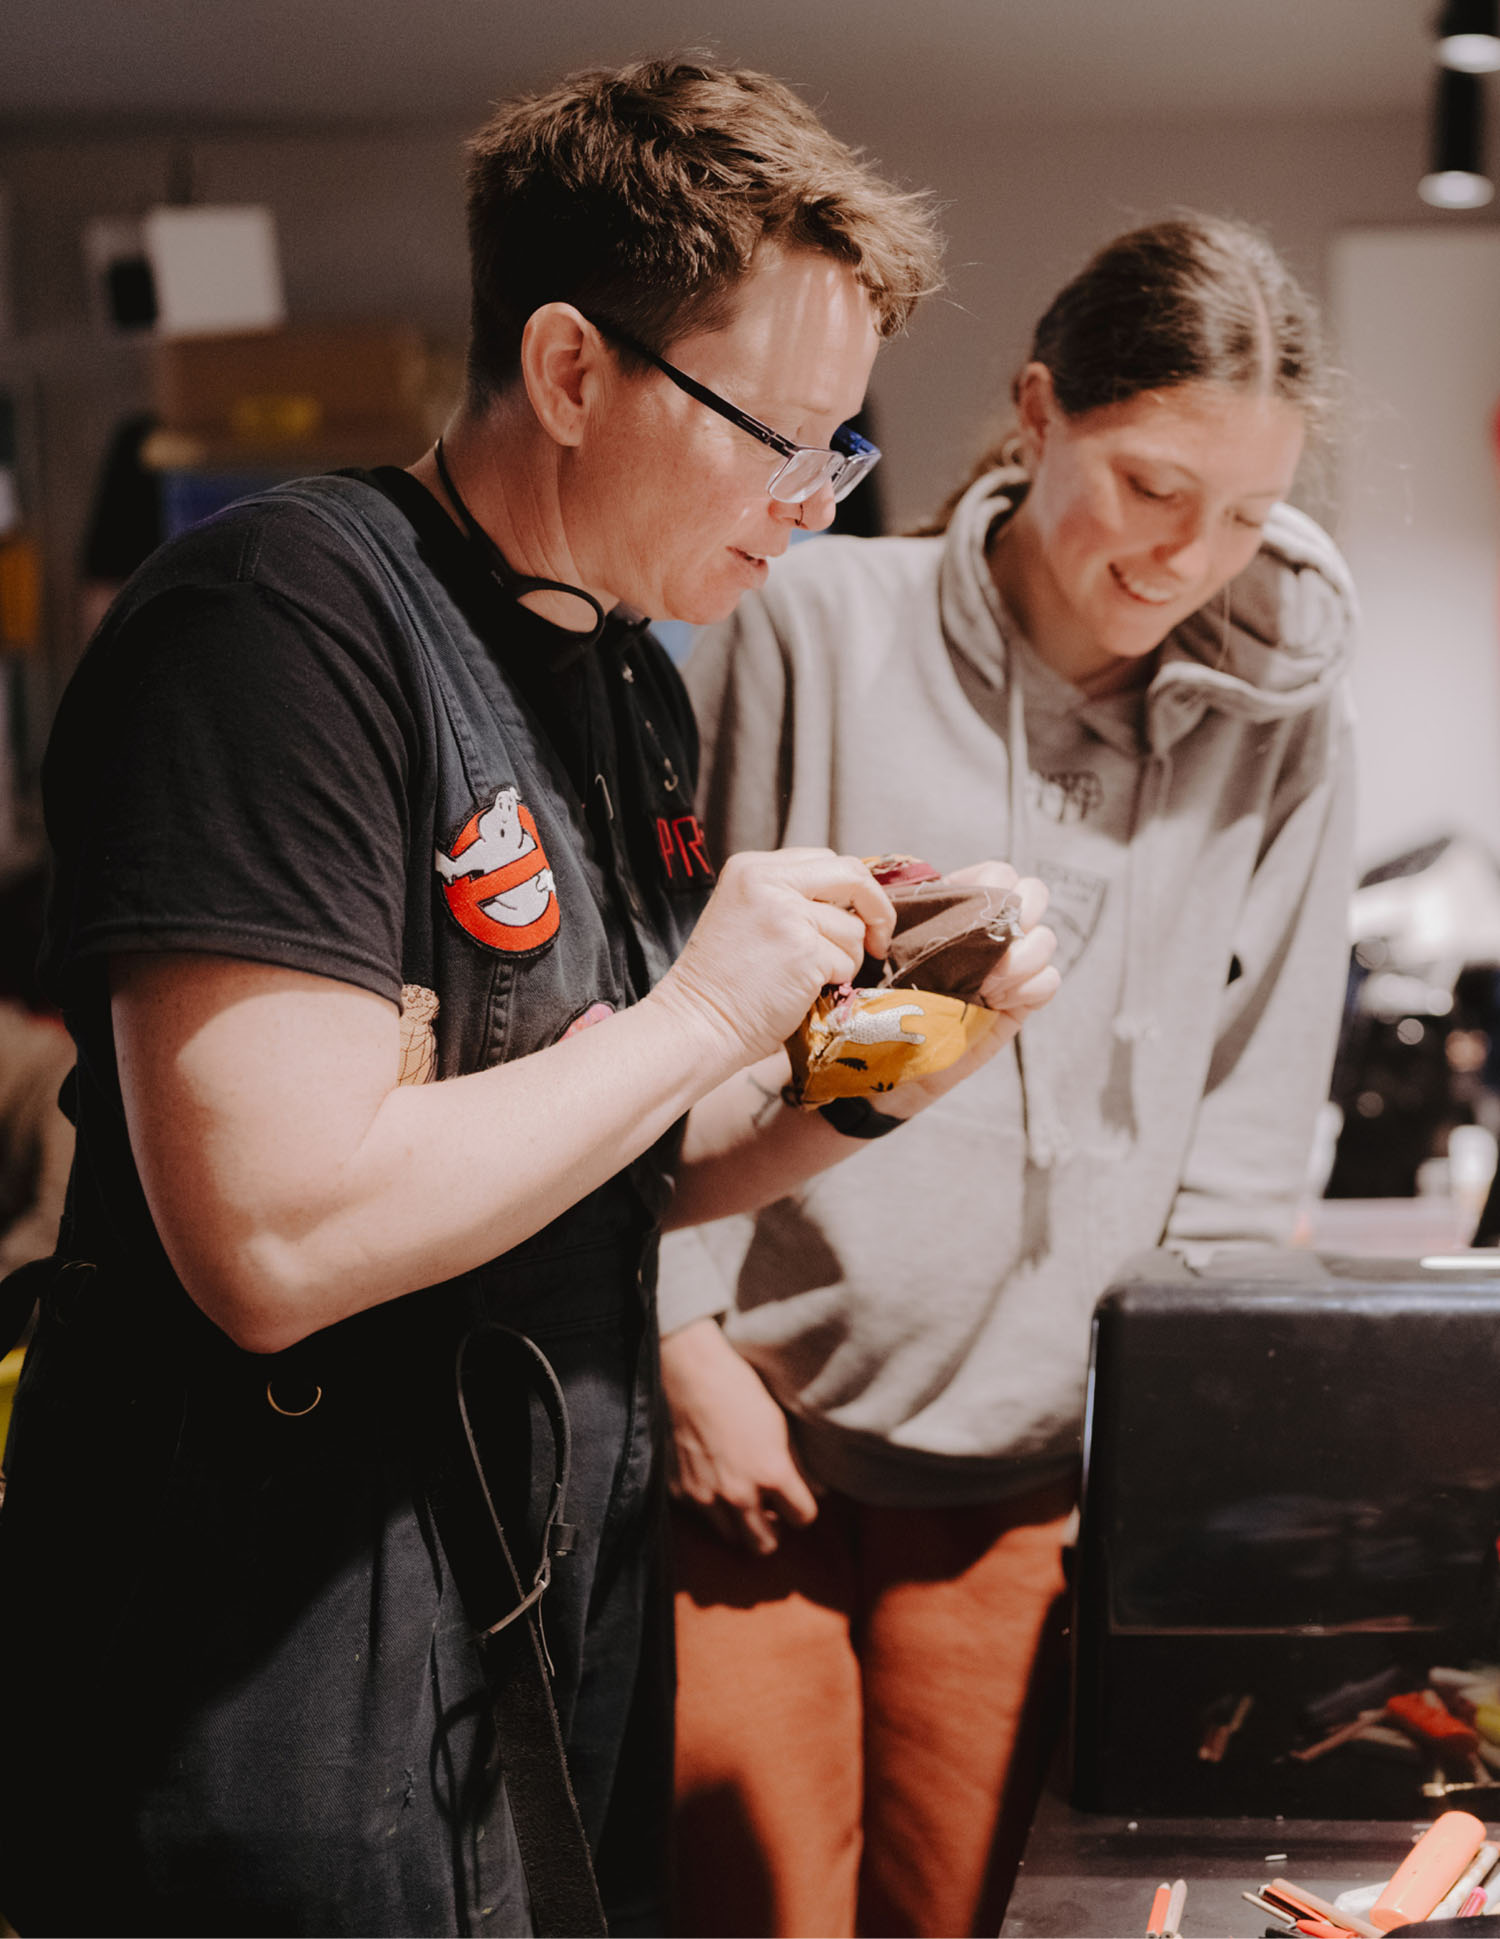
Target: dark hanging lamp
[(1457, 179), (1468, 36)]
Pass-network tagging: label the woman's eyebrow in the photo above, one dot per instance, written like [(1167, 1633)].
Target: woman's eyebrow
[(1159, 462)]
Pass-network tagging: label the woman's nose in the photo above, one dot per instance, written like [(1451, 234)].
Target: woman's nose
[(1186, 550), (815, 514)]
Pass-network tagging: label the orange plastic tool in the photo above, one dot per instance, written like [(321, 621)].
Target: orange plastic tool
[(1429, 1871), (1426, 1717)]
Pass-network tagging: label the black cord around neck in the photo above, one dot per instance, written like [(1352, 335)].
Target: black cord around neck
[(515, 584)]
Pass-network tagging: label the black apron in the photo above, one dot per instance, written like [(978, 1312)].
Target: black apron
[(245, 1692)]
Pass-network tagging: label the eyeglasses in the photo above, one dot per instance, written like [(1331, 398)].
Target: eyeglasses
[(805, 469)]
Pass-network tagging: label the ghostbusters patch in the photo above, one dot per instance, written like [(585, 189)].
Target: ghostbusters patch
[(496, 880)]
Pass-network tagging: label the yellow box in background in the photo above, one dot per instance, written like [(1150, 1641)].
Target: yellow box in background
[(336, 386)]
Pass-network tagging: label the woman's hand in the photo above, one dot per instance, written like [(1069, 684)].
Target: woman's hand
[(1023, 980), (777, 929), (732, 1454), (1019, 985)]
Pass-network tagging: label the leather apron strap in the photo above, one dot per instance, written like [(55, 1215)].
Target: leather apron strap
[(507, 1369)]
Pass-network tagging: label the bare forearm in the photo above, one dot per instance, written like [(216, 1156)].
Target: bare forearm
[(293, 1183), (453, 1174), (744, 1147), (426, 1182)]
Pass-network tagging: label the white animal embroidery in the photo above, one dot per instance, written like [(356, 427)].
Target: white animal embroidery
[(875, 1026), (500, 839), (525, 903)]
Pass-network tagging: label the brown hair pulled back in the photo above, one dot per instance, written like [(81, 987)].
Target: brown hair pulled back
[(1193, 299), (641, 195)]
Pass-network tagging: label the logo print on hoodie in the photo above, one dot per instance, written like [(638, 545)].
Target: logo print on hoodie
[(496, 881), (1065, 798)]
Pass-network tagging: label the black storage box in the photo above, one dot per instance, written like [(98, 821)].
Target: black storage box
[(1291, 1490)]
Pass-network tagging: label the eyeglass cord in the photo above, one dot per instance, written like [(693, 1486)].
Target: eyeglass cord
[(516, 584)]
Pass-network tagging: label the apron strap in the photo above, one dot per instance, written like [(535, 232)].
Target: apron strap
[(505, 1614), (23, 1289)]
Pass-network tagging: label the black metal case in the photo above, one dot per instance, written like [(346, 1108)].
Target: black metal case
[(1291, 1490)]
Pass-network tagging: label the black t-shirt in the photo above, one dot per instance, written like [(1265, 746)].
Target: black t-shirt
[(244, 765)]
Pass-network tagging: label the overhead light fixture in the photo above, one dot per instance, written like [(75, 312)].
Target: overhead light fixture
[(1457, 179), (1468, 36)]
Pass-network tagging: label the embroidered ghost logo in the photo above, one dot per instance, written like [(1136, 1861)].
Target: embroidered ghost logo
[(495, 877)]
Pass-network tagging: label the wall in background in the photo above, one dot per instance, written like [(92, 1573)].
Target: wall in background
[(1025, 206), (1419, 519), (370, 225)]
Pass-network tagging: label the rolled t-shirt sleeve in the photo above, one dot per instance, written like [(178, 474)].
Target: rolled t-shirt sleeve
[(229, 776)]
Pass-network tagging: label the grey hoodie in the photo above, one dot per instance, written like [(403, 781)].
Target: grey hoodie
[(922, 1311)]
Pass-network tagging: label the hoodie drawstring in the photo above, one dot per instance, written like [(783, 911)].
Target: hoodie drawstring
[(1047, 1139), (1136, 1019)]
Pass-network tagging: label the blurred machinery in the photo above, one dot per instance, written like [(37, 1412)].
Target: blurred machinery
[(1419, 1054)]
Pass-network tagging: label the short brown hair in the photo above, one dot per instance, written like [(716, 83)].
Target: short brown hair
[(642, 196)]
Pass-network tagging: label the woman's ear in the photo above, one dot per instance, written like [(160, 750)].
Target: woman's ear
[(562, 358), (1036, 411)]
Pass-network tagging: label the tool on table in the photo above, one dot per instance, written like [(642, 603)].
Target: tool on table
[(1224, 1718), (1472, 1875), (1281, 1913), (1438, 1786), (1166, 1911), (1426, 1718), (1429, 1870), (1307, 1904), (1341, 1735)]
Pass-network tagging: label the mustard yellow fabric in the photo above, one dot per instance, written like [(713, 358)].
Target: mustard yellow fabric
[(854, 1043)]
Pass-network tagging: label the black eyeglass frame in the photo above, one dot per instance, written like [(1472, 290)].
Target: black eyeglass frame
[(857, 456)]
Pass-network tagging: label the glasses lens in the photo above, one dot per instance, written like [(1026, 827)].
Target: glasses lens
[(805, 472), (854, 470)]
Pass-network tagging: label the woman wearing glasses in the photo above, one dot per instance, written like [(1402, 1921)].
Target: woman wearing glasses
[(1120, 661), (395, 963)]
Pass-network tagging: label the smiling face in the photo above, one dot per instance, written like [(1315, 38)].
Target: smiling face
[(1137, 515), (671, 495)]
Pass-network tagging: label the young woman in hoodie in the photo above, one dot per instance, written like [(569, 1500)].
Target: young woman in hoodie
[(1121, 661)]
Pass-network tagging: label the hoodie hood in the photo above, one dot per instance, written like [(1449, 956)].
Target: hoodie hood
[(1273, 644)]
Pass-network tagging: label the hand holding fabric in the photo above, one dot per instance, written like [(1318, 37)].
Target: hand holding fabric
[(966, 954), (1019, 985), (778, 928)]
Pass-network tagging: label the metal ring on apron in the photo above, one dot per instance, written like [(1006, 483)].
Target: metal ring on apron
[(292, 1413)]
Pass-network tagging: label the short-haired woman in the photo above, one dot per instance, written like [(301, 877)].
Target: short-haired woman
[(389, 1016), (1122, 663)]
